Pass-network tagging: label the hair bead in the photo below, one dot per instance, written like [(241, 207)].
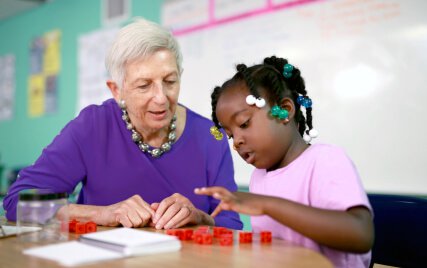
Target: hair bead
[(287, 70)]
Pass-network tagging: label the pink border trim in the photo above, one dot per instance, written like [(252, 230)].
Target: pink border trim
[(270, 7)]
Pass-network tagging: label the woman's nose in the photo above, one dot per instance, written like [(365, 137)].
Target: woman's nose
[(160, 93)]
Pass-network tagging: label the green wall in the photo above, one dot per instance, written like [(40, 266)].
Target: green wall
[(23, 138)]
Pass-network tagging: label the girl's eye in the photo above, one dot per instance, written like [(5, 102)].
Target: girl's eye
[(171, 82), (245, 124), (229, 136)]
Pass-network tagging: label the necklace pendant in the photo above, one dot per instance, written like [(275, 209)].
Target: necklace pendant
[(172, 136), (166, 146), (136, 137), (156, 152), (144, 147)]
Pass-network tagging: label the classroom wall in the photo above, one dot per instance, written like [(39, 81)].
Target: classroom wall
[(22, 138)]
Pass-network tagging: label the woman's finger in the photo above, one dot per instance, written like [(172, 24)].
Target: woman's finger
[(124, 220), (170, 212), (161, 209), (181, 218)]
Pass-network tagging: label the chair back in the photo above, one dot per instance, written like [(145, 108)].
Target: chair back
[(400, 230)]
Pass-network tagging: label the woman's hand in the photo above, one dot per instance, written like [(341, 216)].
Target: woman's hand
[(239, 202), (132, 212), (176, 211)]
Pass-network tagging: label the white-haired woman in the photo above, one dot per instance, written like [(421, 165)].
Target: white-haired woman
[(140, 155)]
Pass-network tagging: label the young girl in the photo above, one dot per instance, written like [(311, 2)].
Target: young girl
[(308, 194)]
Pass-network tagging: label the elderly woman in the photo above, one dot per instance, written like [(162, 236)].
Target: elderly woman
[(140, 155)]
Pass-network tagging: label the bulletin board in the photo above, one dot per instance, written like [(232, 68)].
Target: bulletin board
[(364, 63)]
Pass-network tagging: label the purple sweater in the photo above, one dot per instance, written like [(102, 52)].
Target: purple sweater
[(96, 149)]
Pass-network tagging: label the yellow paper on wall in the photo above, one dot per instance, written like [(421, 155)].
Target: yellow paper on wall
[(36, 93), (51, 57)]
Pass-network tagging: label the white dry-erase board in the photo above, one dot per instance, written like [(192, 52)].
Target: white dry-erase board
[(365, 67)]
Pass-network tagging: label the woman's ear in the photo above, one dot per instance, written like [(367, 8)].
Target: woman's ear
[(115, 90)]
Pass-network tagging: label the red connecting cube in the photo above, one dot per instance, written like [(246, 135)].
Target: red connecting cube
[(265, 236), (91, 227), (245, 237), (207, 239), (179, 234), (188, 234), (72, 225), (198, 236), (80, 228), (203, 228), (227, 231), (176, 232), (226, 240), (217, 231), (170, 232)]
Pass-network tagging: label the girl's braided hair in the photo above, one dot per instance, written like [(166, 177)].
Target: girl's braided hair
[(269, 76)]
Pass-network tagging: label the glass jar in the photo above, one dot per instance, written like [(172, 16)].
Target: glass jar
[(37, 218)]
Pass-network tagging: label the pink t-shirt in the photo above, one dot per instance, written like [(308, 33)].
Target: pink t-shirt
[(323, 176)]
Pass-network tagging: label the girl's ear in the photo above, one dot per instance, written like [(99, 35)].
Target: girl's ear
[(288, 104)]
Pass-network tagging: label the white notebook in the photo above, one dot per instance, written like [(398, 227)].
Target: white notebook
[(107, 245)]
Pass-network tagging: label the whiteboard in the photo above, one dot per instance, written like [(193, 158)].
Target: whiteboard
[(364, 63)]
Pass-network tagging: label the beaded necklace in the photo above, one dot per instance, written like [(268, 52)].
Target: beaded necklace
[(144, 147)]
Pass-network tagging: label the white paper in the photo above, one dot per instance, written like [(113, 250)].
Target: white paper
[(13, 230), (130, 237), (7, 86), (73, 253), (127, 242), (92, 74)]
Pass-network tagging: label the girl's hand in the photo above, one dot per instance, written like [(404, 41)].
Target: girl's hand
[(239, 202)]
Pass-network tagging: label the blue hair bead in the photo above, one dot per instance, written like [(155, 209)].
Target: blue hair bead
[(300, 100), (308, 103)]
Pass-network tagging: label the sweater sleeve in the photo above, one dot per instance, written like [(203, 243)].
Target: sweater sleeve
[(222, 174), (59, 168)]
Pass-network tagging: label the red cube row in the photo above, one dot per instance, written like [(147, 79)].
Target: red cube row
[(182, 234), (75, 226), (203, 236)]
